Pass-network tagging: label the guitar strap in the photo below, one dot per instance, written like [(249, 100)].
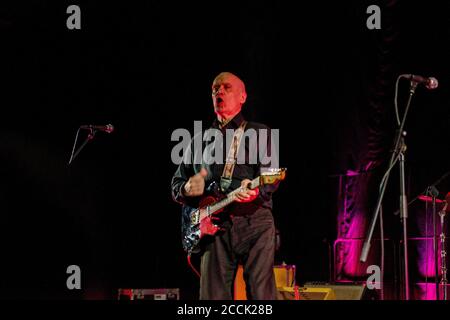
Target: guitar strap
[(225, 179)]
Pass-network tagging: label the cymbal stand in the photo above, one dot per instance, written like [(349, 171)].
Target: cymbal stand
[(443, 282)]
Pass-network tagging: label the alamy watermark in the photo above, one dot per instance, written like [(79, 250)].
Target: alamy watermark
[(258, 146), (74, 20), (74, 280), (374, 280), (374, 20)]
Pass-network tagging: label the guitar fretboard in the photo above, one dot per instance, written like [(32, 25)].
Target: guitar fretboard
[(231, 197)]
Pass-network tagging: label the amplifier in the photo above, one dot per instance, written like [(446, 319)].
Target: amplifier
[(284, 277), (302, 293), (344, 291), (149, 294)]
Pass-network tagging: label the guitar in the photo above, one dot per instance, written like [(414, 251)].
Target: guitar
[(210, 205)]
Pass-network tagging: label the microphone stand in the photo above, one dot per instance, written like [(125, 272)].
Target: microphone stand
[(404, 216), (397, 154), (90, 136), (434, 193), (443, 282)]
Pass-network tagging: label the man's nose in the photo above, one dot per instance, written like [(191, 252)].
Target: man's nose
[(219, 90)]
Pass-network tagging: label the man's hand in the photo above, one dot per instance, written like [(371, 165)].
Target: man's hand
[(196, 184), (207, 226), (247, 195)]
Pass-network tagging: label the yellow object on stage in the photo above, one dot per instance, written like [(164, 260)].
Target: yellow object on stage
[(302, 293), (284, 278)]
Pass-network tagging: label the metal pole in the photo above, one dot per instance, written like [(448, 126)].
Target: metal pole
[(404, 219)]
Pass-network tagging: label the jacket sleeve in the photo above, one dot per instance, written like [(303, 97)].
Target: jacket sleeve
[(179, 179), (184, 171)]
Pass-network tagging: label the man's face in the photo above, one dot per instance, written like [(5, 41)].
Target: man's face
[(228, 94)]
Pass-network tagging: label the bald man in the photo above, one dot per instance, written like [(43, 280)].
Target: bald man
[(247, 231)]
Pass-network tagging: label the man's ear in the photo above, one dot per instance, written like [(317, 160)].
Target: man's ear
[(243, 97)]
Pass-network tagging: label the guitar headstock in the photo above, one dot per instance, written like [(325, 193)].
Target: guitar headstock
[(273, 175)]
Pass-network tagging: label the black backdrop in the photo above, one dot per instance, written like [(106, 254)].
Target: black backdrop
[(312, 71)]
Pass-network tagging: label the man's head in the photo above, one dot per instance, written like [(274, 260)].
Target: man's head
[(228, 94)]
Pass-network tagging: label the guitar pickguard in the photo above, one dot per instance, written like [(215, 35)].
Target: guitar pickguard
[(191, 217)]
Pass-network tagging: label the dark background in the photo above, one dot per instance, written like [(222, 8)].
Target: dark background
[(312, 70)]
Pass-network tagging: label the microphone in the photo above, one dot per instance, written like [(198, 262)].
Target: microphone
[(430, 83), (108, 128)]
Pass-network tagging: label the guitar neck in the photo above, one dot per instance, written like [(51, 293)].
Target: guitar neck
[(232, 196)]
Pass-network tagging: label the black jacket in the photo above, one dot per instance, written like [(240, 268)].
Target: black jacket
[(254, 163)]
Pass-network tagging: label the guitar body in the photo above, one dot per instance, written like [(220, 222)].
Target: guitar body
[(212, 204), (190, 224)]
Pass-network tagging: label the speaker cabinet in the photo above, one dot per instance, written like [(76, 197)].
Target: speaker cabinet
[(303, 293), (343, 291)]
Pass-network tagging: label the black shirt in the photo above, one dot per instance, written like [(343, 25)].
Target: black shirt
[(255, 149)]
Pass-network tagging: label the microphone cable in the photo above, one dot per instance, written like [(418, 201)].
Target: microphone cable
[(192, 266), (395, 98)]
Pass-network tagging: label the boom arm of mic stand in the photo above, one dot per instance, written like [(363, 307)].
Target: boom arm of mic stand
[(88, 138)]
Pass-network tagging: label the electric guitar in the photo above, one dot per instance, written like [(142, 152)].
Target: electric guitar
[(211, 205)]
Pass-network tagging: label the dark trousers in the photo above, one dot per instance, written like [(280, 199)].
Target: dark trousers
[(249, 240)]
